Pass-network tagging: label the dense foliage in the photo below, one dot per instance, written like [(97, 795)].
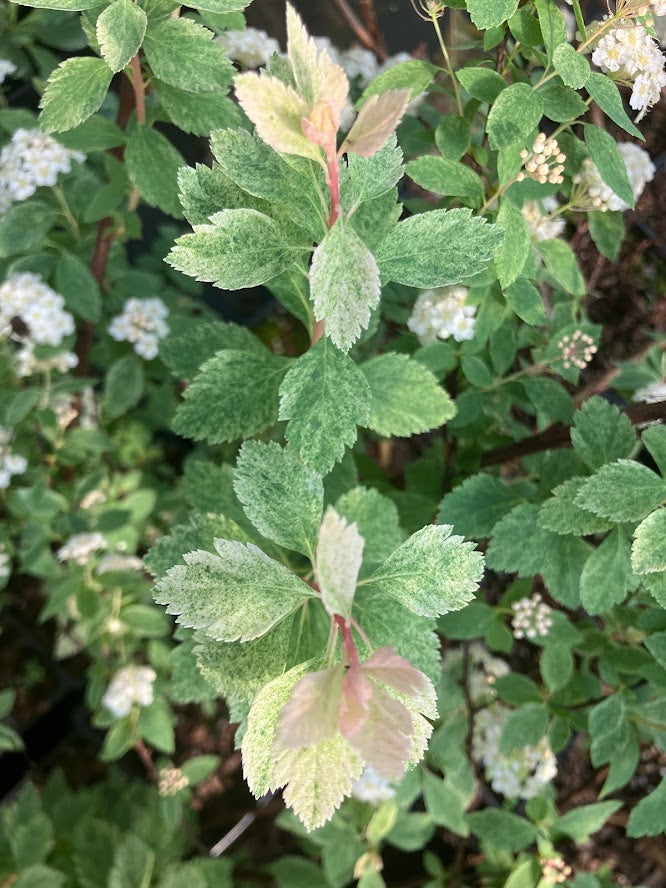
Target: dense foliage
[(412, 636)]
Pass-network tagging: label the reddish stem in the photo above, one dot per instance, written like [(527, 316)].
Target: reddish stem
[(144, 754), (347, 641), (139, 89), (333, 182)]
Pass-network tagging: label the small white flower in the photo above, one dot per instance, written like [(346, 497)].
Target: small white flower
[(372, 788), (171, 781), (438, 314), (143, 323), (7, 68), (531, 617), (652, 393), (10, 463), (251, 48), (595, 194), (80, 547), (130, 685), (541, 224)]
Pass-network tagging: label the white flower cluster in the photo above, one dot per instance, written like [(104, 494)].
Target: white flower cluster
[(10, 463), (372, 788), (143, 324), (438, 314), (630, 53), (130, 685), (652, 393), (577, 350), (595, 194), (170, 781), (251, 48), (531, 617), (26, 298), (544, 163), (555, 870), (117, 561), (29, 160), (80, 547), (541, 224), (7, 68), (5, 563), (522, 773)]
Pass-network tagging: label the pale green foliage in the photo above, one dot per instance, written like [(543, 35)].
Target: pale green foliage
[(152, 165), (431, 573), (444, 176), (572, 66), (601, 433), (405, 397), (199, 533), (240, 248), (608, 160), (648, 553), (185, 352), (74, 91), (607, 575), (654, 438), (475, 507), (437, 248), (377, 520), (490, 13), (120, 31), (281, 496), (561, 514), (649, 816), (184, 54), (344, 283), (237, 594), (623, 490), (338, 561), (367, 178), (415, 75), (581, 822), (235, 394), (514, 115), (324, 397), (315, 75), (513, 252)]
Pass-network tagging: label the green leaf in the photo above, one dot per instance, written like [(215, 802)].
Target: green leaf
[(367, 178), (221, 7), (561, 103), (656, 644), (344, 283), (235, 395), (185, 353), (453, 136), (123, 387), (525, 300), (648, 552), (120, 30), (184, 54), (475, 507), (19, 406), (283, 498), (437, 248), (376, 122), (581, 822), (602, 433), (501, 829), (241, 248), (514, 115), (40, 876), (562, 264), (607, 726), (94, 847), (524, 727), (119, 739), (74, 91), (97, 133), (77, 284), (24, 226), (490, 13), (133, 864), (556, 666), (572, 66), (431, 573), (444, 176), (623, 490), (517, 245), (607, 231), (654, 438), (551, 400), (155, 724), (476, 371), (198, 113), (561, 514), (324, 396), (415, 75), (236, 595), (649, 816), (152, 166), (472, 621), (552, 24), (607, 96), (444, 804), (610, 163), (376, 518), (483, 84), (406, 398), (70, 5), (607, 576)]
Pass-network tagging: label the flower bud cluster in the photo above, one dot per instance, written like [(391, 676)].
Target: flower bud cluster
[(555, 871), (29, 160), (130, 685), (142, 323), (7, 68), (10, 463), (522, 773), (170, 781), (631, 54), (441, 313), (372, 788), (531, 617), (541, 224), (652, 393), (577, 350), (544, 163), (80, 547)]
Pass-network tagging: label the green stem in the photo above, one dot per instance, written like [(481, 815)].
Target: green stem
[(67, 213), (447, 62), (580, 21)]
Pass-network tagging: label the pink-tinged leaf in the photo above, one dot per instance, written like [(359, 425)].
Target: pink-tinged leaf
[(311, 714), (337, 563), (320, 127), (276, 110), (391, 669), (356, 694), (316, 76), (376, 122), (384, 740)]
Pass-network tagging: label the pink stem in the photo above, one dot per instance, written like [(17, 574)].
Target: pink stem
[(333, 182), (347, 641)]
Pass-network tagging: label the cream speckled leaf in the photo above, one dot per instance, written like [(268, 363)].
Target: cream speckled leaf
[(377, 519), (648, 552), (317, 779), (120, 31), (317, 77), (344, 283), (74, 91), (276, 110), (338, 561), (432, 572), (257, 748), (376, 122), (237, 595)]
